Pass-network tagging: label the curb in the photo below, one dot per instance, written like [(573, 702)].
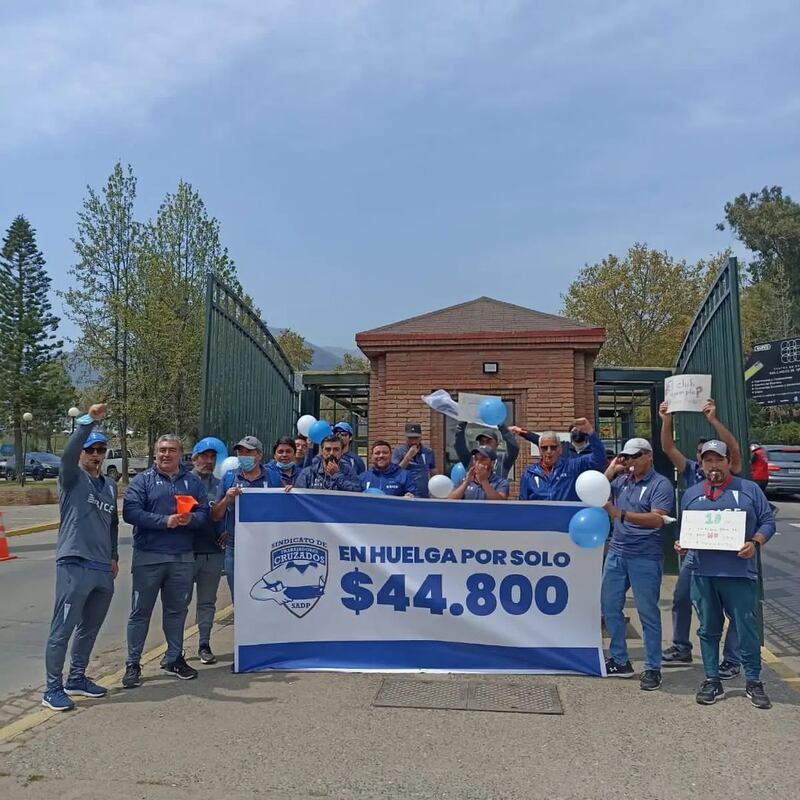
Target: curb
[(786, 674), (33, 720), (45, 526)]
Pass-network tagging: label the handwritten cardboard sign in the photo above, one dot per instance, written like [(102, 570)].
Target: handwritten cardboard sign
[(687, 392), (713, 530)]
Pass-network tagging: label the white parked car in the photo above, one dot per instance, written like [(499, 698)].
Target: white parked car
[(112, 466)]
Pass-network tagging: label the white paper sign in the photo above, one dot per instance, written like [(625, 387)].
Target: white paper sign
[(713, 530), (687, 392), (467, 409)]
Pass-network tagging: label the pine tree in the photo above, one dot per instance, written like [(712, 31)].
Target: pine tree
[(27, 327)]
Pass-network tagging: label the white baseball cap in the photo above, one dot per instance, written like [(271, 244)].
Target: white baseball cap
[(635, 446)]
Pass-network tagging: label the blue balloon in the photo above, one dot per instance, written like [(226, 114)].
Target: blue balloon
[(320, 430), (458, 473), (492, 411), (374, 490), (589, 527)]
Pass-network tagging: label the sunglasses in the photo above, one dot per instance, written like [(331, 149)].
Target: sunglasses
[(631, 458), (549, 447), (96, 450)]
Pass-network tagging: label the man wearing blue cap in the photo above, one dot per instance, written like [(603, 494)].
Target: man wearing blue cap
[(482, 481), (86, 562), (345, 433), (209, 553)]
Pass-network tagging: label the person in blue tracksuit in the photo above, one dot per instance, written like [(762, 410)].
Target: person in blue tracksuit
[(283, 469), (482, 481), (87, 562), (415, 457), (553, 478), (725, 582), (487, 437), (640, 499), (578, 444), (386, 477), (209, 553), (163, 554), (328, 471), (251, 474), (680, 652), (345, 433)]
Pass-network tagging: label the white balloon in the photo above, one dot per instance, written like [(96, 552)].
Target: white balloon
[(593, 488), (304, 424), (440, 486), (226, 465)]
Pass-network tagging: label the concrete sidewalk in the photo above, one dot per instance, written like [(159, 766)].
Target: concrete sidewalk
[(316, 735), (16, 517)]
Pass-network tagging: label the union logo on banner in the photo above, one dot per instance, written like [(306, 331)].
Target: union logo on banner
[(297, 576)]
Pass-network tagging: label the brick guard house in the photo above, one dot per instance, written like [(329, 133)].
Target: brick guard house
[(542, 366)]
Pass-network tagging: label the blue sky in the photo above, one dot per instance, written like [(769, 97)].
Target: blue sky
[(373, 159)]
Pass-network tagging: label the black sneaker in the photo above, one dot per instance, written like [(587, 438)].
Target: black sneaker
[(650, 680), (674, 655), (180, 669), (133, 676), (728, 670), (758, 697), (709, 692), (205, 655), (614, 670)]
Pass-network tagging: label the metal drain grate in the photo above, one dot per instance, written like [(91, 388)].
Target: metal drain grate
[(469, 696)]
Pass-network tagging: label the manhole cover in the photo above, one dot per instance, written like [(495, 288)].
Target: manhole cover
[(469, 696)]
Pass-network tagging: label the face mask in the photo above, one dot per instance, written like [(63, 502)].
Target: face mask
[(578, 437), (246, 463), (284, 464)]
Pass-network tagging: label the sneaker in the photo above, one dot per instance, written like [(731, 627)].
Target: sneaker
[(132, 677), (674, 655), (85, 687), (180, 669), (205, 655), (614, 670), (728, 670), (57, 700), (709, 692), (650, 680), (758, 697)]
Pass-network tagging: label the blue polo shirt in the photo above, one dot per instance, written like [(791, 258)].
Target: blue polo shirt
[(738, 495), (235, 478), (420, 466), (642, 496), (474, 490), (692, 473)]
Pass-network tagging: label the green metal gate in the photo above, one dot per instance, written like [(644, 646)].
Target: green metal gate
[(713, 346), (248, 384)]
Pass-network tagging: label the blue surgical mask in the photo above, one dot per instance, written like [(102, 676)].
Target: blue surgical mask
[(284, 464), (246, 463)]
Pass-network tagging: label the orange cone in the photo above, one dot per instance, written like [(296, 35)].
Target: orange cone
[(4, 554)]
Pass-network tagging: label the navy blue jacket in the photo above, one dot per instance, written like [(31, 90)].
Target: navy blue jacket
[(355, 461), (315, 477), (150, 500), (502, 465), (278, 478), (393, 480)]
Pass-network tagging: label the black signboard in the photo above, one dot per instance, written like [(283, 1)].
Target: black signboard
[(772, 373)]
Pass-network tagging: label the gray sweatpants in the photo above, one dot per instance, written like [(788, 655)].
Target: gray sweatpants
[(207, 574), (174, 580), (83, 596)]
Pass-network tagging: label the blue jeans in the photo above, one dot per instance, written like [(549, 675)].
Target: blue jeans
[(230, 561), (643, 575), (738, 597), (682, 621)]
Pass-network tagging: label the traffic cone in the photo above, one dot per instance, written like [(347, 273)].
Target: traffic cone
[(4, 554)]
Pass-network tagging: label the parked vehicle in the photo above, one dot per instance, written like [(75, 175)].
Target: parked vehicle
[(112, 466), (784, 468), (37, 466)]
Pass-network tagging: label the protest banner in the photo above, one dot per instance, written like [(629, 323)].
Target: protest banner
[(350, 582), (713, 530), (466, 409), (686, 392)]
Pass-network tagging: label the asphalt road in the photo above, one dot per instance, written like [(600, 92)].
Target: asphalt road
[(26, 606)]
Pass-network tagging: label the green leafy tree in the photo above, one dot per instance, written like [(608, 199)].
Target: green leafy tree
[(104, 284), (56, 396), (27, 326), (294, 347), (645, 301), (352, 363)]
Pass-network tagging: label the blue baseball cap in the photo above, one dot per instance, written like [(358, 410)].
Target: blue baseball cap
[(93, 438), (205, 445), (343, 426)]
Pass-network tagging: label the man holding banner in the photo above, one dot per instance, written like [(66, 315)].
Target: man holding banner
[(726, 580), (384, 477)]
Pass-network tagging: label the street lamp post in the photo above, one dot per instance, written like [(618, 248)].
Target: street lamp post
[(27, 418), (72, 413)]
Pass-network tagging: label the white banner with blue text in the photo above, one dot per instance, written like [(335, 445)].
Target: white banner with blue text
[(352, 582)]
